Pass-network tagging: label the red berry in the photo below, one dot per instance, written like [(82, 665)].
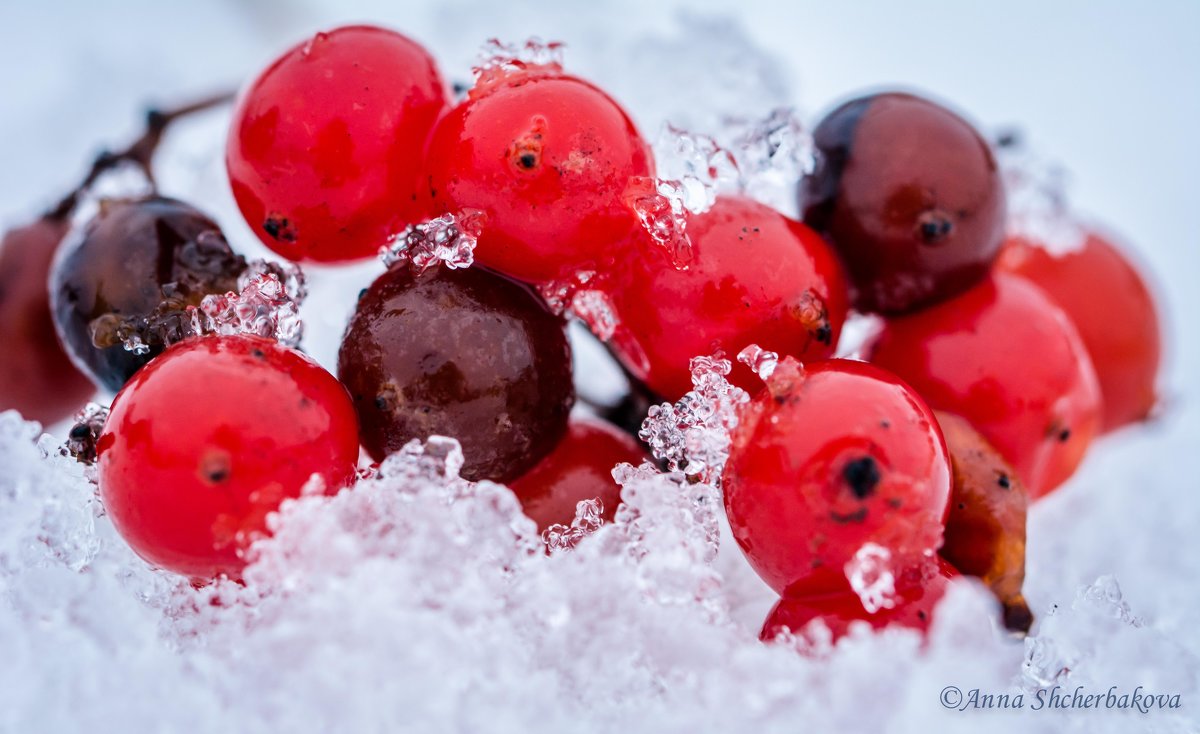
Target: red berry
[(1004, 357), (756, 277), (830, 457), (579, 468), (209, 438), (464, 353), (324, 153), (918, 590), (1113, 310), (911, 196), (37, 377), (546, 158)]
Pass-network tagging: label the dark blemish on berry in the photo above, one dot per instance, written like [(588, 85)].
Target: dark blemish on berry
[(885, 424), (934, 227), (527, 161), (857, 516), (1003, 481), (862, 475), (258, 353), (214, 468), (305, 402), (279, 228), (824, 334), (962, 505), (895, 503), (381, 403), (1064, 435), (781, 399), (921, 615), (79, 432)]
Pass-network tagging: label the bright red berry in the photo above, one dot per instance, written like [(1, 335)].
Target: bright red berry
[(1007, 359), (324, 153), (830, 458), (209, 438), (755, 277), (37, 377), (579, 468), (917, 591), (910, 195), (1109, 303), (546, 158)]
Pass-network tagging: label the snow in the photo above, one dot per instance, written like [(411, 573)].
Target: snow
[(419, 602)]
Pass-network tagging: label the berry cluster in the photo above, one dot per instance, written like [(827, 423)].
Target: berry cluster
[(855, 488)]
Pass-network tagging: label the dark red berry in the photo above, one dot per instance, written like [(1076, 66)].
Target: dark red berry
[(324, 152), (579, 468), (209, 439), (911, 197), (132, 272), (37, 377), (468, 354)]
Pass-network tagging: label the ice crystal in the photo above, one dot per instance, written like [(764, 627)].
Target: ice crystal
[(497, 58), (81, 438), (267, 304), (659, 206), (759, 360), (693, 435), (559, 537), (871, 578), (449, 239), (1039, 208)]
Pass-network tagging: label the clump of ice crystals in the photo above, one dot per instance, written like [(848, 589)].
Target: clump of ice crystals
[(871, 578), (760, 361), (267, 303), (587, 520), (498, 57), (449, 239), (578, 296), (693, 435), (1036, 190)]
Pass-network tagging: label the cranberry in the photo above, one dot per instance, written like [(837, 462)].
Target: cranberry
[(578, 469), (829, 458), (462, 353), (910, 195), (324, 153), (546, 158), (985, 530), (132, 272), (1004, 357), (1108, 301), (209, 439), (918, 589), (756, 277), (37, 377)]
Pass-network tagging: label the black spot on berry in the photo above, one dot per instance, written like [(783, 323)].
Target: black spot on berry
[(1003, 481), (258, 353), (279, 228), (1064, 435), (934, 227), (885, 424), (862, 475), (381, 403), (962, 505), (857, 516), (921, 615), (528, 161), (824, 334)]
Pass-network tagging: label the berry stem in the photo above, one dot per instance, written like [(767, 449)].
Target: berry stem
[(140, 152)]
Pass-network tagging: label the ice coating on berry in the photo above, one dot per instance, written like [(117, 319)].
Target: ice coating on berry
[(267, 303), (449, 239), (692, 435), (660, 208), (588, 519), (497, 59), (83, 434)]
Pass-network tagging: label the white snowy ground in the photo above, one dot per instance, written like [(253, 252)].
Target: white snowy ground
[(388, 609)]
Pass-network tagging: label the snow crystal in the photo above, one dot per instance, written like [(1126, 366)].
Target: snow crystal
[(449, 239), (267, 304), (587, 520), (497, 57), (871, 578), (761, 361)]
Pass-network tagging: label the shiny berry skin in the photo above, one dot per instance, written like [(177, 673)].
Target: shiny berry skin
[(579, 468), (468, 354), (37, 378), (136, 266), (546, 158), (911, 197), (1112, 308), (1007, 359), (985, 530), (756, 277), (917, 591), (209, 439), (324, 152), (829, 457)]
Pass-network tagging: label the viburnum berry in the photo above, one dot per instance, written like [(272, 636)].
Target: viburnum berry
[(911, 196), (37, 378), (830, 459), (755, 277), (918, 589), (209, 439), (325, 149), (545, 157), (129, 276), (1006, 358), (985, 530), (1106, 298), (465, 353), (579, 468)]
